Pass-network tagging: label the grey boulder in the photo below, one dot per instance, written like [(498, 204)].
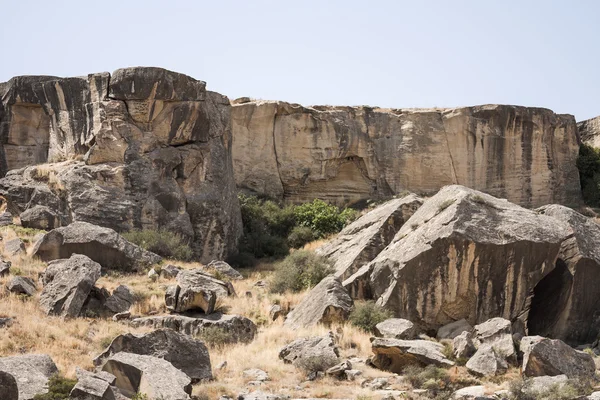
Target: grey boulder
[(542, 356), (14, 246), (93, 386), (487, 362), (463, 345), (326, 303), (67, 285), (222, 268), (497, 333), (4, 267), (312, 354), (453, 329), (21, 285), (40, 217), (196, 290), (395, 354), (31, 373), (396, 328), (6, 218), (183, 351), (152, 376), (120, 300), (103, 245)]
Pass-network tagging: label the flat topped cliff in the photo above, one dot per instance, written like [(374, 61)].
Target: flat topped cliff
[(345, 154)]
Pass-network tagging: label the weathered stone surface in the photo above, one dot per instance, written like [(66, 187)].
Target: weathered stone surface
[(14, 246), (396, 328), (345, 154), (103, 245), (276, 311), (120, 300), (93, 386), (317, 353), (589, 132), (463, 345), (496, 333), (395, 354), (6, 218), (162, 161), (184, 352), (487, 361), (470, 393), (542, 356), (339, 370), (464, 255), (67, 285), (152, 376), (326, 303), (40, 217), (223, 268), (31, 373), (541, 384), (566, 303), (454, 329), (362, 240), (237, 328), (196, 290), (169, 271), (22, 285), (256, 374), (8, 386), (4, 267)]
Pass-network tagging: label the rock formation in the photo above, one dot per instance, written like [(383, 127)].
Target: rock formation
[(30, 371), (345, 154), (156, 148), (589, 132)]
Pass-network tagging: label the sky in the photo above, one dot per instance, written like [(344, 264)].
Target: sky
[(381, 53)]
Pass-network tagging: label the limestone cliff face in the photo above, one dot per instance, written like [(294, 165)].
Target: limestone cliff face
[(143, 148), (344, 154), (589, 132)]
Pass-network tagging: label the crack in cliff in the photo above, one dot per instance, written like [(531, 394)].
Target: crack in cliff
[(454, 178), (275, 153)]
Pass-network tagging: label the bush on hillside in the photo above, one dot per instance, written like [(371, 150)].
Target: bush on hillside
[(299, 236), (300, 270), (323, 218), (59, 388), (162, 242), (588, 164), (366, 314)]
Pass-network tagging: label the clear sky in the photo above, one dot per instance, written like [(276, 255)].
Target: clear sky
[(416, 53)]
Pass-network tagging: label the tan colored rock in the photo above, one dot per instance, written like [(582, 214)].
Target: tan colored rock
[(362, 240), (589, 131), (345, 154), (395, 354)]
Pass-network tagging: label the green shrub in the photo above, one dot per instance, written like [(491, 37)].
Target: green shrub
[(430, 377), (58, 389), (588, 164), (162, 242), (300, 270), (299, 236), (323, 218), (140, 396), (366, 314)]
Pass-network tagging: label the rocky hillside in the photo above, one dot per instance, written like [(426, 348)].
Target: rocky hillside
[(589, 131), (344, 154)]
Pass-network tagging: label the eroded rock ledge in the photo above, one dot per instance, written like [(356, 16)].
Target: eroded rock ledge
[(345, 154), (143, 148)]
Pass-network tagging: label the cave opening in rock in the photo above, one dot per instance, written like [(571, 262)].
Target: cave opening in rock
[(550, 297)]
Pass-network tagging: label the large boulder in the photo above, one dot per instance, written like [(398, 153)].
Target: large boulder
[(224, 269), (395, 354), (8, 386), (589, 131), (497, 333), (31, 373), (396, 328), (487, 361), (67, 285), (237, 328), (454, 329), (362, 240), (120, 299), (151, 376), (156, 149), (542, 356), (345, 154), (318, 353), (196, 290), (464, 255), (103, 245), (40, 217), (93, 386), (21, 285), (326, 303), (183, 351), (566, 303)]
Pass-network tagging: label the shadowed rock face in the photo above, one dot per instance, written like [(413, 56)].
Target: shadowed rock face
[(345, 154), (156, 151)]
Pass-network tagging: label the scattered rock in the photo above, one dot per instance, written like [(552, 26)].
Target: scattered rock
[(470, 393), (225, 269), (487, 362), (6, 322), (276, 312), (453, 329), (169, 271), (67, 284), (222, 365), (14, 246), (543, 356), (237, 328), (339, 371), (463, 345), (396, 328), (120, 300), (122, 316), (184, 352), (40, 217), (103, 245), (326, 303), (152, 274), (22, 285), (258, 395), (152, 376), (312, 354), (6, 218), (497, 332), (540, 384), (93, 386), (395, 354), (361, 241), (256, 375), (196, 290), (376, 383), (352, 374), (4, 268), (31, 372)]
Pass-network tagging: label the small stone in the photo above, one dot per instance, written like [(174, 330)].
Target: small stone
[(339, 370), (222, 365), (256, 374), (22, 285), (169, 271), (121, 316), (248, 294), (152, 274), (6, 322), (4, 268), (396, 328), (276, 312), (352, 374)]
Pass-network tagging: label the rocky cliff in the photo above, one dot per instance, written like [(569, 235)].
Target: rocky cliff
[(344, 154), (141, 148), (589, 131)]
